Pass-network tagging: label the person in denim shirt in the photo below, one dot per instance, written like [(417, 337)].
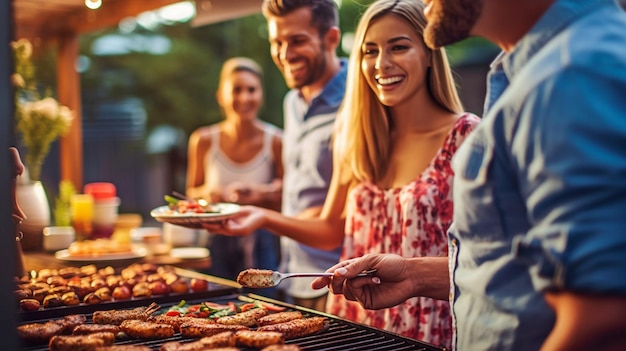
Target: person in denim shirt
[(537, 250)]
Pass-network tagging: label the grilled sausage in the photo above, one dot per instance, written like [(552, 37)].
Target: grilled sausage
[(258, 339), (224, 339), (196, 330), (95, 328), (297, 327), (146, 330), (123, 348), (279, 317), (174, 321), (248, 318), (80, 342)]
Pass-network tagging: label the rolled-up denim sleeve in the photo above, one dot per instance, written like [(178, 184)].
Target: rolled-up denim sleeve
[(572, 173)]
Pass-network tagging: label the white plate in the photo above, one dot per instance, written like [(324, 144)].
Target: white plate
[(189, 252), (137, 252), (194, 220)]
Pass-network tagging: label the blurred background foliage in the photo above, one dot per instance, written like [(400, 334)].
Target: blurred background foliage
[(178, 87), (146, 85)]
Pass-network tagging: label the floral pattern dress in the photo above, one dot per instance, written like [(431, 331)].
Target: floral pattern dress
[(411, 221)]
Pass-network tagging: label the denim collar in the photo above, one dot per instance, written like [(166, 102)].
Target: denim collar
[(331, 96), (558, 17)]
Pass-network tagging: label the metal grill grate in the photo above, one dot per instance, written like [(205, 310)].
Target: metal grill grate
[(340, 335)]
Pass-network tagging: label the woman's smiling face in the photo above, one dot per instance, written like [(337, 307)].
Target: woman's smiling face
[(394, 60)]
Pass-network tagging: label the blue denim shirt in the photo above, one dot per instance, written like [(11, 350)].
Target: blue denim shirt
[(540, 186), (307, 160)]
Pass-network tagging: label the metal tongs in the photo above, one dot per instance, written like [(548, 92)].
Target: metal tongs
[(277, 277)]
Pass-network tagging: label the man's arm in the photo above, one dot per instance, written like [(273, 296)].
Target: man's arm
[(587, 322)]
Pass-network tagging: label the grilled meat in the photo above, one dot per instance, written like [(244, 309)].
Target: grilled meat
[(42, 332), (146, 330), (197, 330), (123, 348), (258, 339), (279, 317), (118, 316), (174, 321), (95, 328), (297, 327), (225, 339), (248, 318), (256, 278), (81, 342)]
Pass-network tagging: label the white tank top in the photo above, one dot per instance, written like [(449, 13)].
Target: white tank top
[(221, 170)]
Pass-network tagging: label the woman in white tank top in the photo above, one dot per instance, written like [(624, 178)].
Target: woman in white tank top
[(238, 160)]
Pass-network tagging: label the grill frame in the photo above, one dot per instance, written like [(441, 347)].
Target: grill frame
[(339, 335)]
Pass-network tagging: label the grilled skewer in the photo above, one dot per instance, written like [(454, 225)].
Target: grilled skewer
[(118, 316)]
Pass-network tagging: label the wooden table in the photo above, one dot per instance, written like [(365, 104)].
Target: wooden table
[(37, 260)]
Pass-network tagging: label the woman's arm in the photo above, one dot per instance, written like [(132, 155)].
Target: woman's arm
[(325, 231)]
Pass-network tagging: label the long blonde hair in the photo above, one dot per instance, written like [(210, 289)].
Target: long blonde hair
[(362, 138)]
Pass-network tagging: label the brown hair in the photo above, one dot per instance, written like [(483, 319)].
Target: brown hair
[(324, 13), (238, 64)]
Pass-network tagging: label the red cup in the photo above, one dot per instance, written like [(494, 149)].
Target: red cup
[(100, 190)]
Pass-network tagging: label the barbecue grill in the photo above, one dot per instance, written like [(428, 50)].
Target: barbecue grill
[(340, 334)]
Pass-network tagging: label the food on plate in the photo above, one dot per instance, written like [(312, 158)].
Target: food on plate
[(43, 331), (97, 247), (297, 327), (247, 318), (80, 342), (95, 328), (196, 330), (178, 206), (118, 316), (279, 317), (256, 278), (225, 339), (146, 330), (258, 339)]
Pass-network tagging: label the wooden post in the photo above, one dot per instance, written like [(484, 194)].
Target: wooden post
[(68, 90)]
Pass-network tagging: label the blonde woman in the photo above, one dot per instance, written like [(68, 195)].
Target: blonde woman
[(399, 126), (238, 160)]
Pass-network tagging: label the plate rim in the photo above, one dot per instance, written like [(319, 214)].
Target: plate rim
[(135, 253)]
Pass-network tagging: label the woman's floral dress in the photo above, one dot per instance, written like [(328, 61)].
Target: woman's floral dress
[(411, 221)]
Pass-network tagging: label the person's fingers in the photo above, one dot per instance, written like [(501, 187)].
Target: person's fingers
[(320, 283)]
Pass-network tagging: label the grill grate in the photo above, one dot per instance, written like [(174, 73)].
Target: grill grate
[(340, 335)]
